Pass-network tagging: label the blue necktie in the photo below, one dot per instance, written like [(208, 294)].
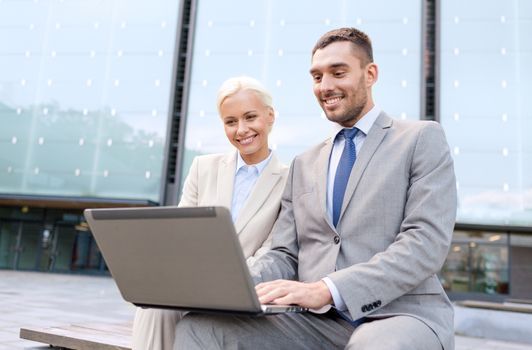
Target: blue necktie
[(343, 171)]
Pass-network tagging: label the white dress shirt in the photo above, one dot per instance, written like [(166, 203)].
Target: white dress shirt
[(245, 178), (364, 124)]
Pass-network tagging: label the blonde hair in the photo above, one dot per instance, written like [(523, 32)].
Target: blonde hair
[(233, 85)]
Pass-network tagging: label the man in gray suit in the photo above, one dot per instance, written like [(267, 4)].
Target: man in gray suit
[(366, 223)]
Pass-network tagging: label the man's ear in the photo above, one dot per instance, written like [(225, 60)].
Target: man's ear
[(372, 74)]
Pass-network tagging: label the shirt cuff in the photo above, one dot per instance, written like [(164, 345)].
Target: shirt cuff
[(339, 302)]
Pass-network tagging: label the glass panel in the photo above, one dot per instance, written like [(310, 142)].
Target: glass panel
[(455, 272), (86, 255), (96, 261), (477, 262), (31, 244), (490, 269), (46, 249), (62, 248), (81, 250), (8, 244), (272, 41), (84, 96), (486, 65)]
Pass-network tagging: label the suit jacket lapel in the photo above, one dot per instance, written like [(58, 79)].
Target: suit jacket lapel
[(226, 178), (321, 171), (260, 192), (373, 140)]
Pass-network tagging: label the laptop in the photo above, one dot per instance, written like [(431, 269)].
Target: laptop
[(178, 258)]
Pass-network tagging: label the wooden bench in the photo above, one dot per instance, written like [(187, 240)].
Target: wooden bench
[(82, 337), (118, 336)]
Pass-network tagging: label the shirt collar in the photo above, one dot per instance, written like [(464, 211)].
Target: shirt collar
[(364, 124), (260, 166)]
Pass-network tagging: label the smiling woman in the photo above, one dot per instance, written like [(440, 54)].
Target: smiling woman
[(247, 115), (249, 182)]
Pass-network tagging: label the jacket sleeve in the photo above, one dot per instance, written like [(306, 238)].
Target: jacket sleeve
[(280, 262), (263, 249), (190, 195)]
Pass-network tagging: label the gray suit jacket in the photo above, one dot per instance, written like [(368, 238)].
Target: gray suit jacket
[(394, 231), (210, 182)]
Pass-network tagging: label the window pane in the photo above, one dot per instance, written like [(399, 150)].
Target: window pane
[(477, 262), (84, 96), (486, 65), (272, 41)]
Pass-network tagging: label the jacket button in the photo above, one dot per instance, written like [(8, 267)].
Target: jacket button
[(336, 239)]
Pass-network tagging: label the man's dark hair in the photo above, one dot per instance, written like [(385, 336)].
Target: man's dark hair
[(360, 40)]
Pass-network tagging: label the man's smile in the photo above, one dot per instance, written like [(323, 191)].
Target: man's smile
[(332, 100)]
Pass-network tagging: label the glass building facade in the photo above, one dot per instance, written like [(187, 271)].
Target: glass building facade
[(84, 96), (486, 65), (272, 41), (87, 95), (486, 62)]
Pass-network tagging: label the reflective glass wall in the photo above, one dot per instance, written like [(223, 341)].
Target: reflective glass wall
[(84, 96), (486, 70), (272, 40), (486, 65), (478, 262)]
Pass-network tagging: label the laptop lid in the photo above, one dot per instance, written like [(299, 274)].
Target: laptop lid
[(184, 258)]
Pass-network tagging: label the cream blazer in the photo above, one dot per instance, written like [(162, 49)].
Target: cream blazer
[(210, 183)]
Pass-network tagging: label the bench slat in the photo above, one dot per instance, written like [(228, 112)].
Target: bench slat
[(82, 337), (507, 306)]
